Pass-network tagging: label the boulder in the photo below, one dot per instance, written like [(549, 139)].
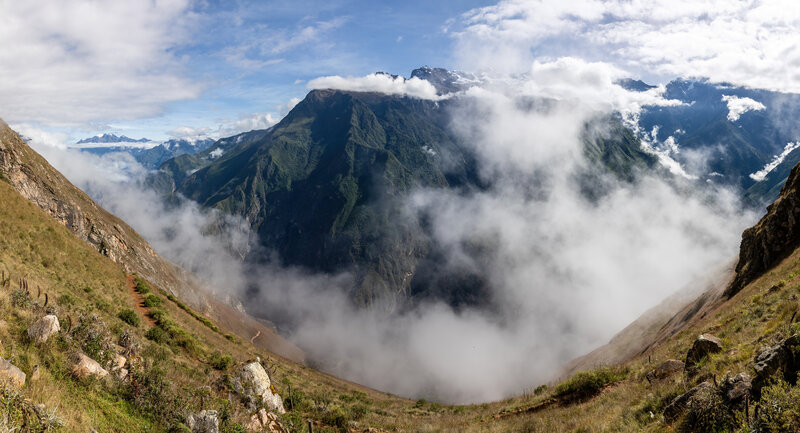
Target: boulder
[(679, 404), (43, 329), (263, 421), (83, 366), (11, 375), (702, 347), (206, 421), (117, 362), (665, 369), (777, 359), (253, 384), (736, 388)]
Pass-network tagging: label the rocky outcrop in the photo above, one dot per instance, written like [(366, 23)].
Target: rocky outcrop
[(778, 359), (43, 329), (773, 238), (206, 421), (736, 388), (702, 347), (84, 367), (665, 369), (263, 421), (679, 405), (253, 384), (11, 375)]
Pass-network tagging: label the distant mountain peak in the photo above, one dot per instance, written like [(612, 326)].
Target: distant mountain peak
[(444, 80), (112, 138), (634, 85)]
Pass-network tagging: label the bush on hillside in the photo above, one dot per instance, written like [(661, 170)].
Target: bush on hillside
[(587, 383), (151, 301), (129, 316)]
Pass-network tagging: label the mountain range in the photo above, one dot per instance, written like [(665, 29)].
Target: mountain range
[(323, 189), (150, 155)]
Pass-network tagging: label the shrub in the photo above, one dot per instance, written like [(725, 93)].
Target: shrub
[(779, 408), (151, 300), (94, 338), (706, 412), (141, 286), (587, 383), (129, 316), (150, 391), (175, 335), (219, 361), (21, 299), (158, 335), (337, 417)]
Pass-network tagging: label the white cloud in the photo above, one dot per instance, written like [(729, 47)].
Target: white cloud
[(216, 153), (762, 174), (381, 83), (72, 62), (247, 123), (263, 49), (738, 106), (738, 41), (227, 127)]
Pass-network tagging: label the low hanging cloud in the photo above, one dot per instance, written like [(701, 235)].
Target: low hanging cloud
[(378, 82), (738, 106), (743, 42), (762, 174)]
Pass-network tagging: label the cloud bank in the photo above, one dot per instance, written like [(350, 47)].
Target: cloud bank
[(743, 42), (762, 174), (378, 82), (738, 106)]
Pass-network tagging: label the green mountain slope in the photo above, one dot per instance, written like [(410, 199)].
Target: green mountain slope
[(325, 187)]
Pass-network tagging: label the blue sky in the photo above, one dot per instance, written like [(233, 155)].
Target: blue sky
[(73, 68), (255, 56), (223, 61)]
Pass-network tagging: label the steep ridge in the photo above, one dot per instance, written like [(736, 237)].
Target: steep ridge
[(775, 236), (34, 178)]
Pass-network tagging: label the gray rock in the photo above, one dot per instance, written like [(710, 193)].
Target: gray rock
[(678, 405), (263, 421), (43, 329), (206, 421), (777, 359), (736, 388), (11, 375), (665, 369), (702, 347), (83, 366), (254, 385)]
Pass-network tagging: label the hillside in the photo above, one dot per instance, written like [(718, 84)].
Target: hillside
[(44, 186), (326, 189)]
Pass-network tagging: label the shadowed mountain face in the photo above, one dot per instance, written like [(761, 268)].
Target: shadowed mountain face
[(327, 188), (725, 134)]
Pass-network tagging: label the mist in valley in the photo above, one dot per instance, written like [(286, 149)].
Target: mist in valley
[(565, 271)]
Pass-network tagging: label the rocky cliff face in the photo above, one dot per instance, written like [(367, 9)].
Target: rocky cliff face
[(774, 237), (41, 184)]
